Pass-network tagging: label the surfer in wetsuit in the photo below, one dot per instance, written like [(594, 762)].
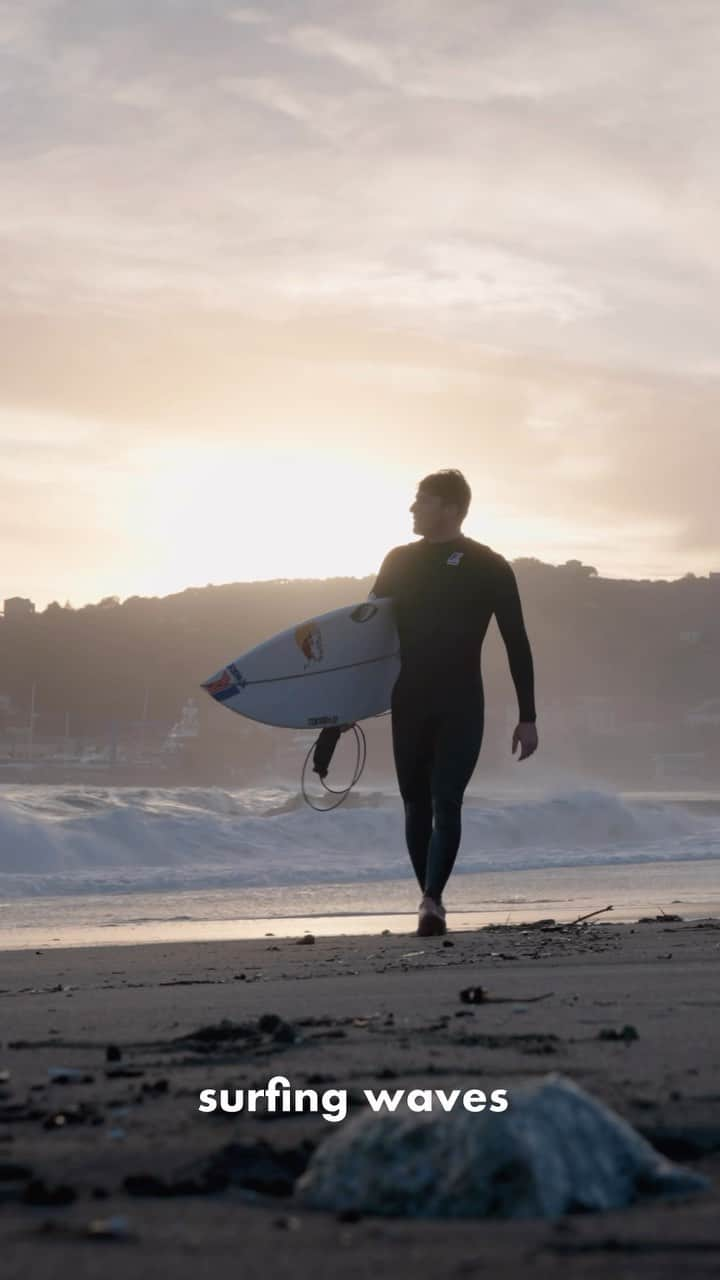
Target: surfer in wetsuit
[(445, 589)]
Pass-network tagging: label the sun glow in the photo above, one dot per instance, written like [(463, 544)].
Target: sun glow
[(233, 514)]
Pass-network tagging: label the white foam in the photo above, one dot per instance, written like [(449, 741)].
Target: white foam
[(81, 840)]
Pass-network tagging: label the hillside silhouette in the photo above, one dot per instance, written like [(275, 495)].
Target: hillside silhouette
[(626, 671)]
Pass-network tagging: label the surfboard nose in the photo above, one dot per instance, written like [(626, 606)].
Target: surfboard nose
[(221, 686)]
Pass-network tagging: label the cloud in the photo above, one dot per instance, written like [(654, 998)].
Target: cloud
[(356, 54), (488, 229), (248, 16), (276, 96), (213, 155)]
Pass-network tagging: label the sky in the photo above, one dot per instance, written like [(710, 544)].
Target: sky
[(264, 267)]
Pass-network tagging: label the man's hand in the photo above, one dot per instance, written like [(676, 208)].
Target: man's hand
[(526, 737)]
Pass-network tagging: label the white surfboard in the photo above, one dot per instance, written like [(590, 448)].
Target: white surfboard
[(333, 669)]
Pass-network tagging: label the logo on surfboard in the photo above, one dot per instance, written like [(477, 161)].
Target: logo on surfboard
[(237, 675), (221, 687), (364, 612), (309, 641)]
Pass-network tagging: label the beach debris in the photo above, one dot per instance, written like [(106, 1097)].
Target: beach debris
[(613, 1244), (479, 995), (116, 1228), (281, 1031), (534, 1042), (225, 1030), (571, 924), (590, 915), (662, 919), (555, 1150), (684, 1142), (207, 1038), (4, 1077), (627, 1033), (12, 1112), (113, 1053), (155, 1087), (147, 1184), (13, 1180), (307, 940), (73, 1113), (258, 1166), (348, 1215), (69, 1075), (14, 1172), (284, 1034), (447, 942), (39, 1193), (253, 1166), (473, 995)]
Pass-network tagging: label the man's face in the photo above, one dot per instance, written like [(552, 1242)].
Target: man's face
[(430, 513)]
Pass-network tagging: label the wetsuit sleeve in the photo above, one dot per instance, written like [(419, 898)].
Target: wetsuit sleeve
[(383, 585), (508, 612)]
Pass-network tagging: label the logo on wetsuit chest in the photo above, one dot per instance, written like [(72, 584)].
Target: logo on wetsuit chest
[(456, 557)]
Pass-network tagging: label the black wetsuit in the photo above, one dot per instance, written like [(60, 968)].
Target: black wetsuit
[(444, 595)]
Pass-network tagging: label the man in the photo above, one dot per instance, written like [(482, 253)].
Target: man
[(445, 589)]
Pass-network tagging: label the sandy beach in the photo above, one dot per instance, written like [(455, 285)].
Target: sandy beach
[(112, 1165)]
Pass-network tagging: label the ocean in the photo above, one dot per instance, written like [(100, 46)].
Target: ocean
[(89, 864)]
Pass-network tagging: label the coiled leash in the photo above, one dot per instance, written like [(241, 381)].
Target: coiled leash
[(322, 753)]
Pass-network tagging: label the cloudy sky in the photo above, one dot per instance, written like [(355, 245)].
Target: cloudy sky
[(266, 266)]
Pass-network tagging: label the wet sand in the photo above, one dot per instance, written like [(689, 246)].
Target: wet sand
[(630, 1012)]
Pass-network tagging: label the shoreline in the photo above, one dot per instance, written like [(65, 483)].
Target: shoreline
[(293, 928), (688, 888)]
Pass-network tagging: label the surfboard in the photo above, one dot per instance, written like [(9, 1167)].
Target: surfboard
[(333, 669)]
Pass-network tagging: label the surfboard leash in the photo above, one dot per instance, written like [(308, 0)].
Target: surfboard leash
[(322, 753)]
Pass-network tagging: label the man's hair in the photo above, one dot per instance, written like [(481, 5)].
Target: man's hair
[(451, 486)]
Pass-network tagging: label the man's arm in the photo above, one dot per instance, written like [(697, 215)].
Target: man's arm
[(508, 612), (382, 587)]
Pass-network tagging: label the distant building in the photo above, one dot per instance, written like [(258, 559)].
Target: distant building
[(707, 712), (17, 607), (678, 766)]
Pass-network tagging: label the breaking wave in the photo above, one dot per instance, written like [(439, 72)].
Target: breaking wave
[(87, 839)]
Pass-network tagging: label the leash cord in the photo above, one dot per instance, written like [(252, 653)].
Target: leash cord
[(343, 793)]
